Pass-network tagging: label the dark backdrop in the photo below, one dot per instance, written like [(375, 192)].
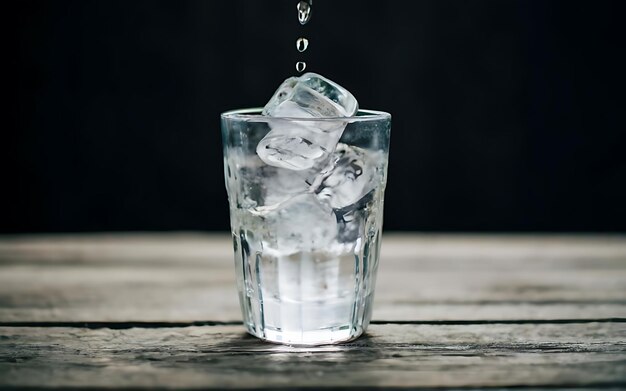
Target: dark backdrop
[(508, 115)]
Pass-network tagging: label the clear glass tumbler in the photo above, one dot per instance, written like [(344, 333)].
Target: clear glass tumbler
[(307, 241)]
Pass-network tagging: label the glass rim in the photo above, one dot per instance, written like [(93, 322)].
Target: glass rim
[(255, 113)]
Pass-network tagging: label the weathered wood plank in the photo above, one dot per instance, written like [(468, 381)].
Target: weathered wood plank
[(187, 277), (557, 250), (492, 355)]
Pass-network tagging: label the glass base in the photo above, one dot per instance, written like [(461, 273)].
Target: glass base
[(306, 298), (309, 338)]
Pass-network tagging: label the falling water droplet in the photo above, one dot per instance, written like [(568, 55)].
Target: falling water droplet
[(302, 44), (304, 12), (300, 66)]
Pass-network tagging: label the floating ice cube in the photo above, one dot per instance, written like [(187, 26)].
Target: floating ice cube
[(289, 151), (311, 96), (280, 95), (302, 223), (298, 145), (352, 175), (280, 185), (331, 100)]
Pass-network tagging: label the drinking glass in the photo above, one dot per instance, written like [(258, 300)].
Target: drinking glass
[(307, 241)]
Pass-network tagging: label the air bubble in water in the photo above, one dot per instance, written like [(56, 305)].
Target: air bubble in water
[(304, 12), (302, 44), (300, 66)]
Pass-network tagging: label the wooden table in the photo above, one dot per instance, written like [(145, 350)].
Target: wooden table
[(144, 311)]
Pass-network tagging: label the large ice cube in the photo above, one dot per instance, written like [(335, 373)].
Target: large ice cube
[(352, 175), (298, 145), (294, 146), (280, 95), (311, 96), (280, 184)]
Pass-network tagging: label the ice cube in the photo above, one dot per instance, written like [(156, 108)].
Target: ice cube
[(280, 95), (302, 223), (336, 101), (280, 184), (311, 96), (352, 175), (289, 150), (298, 145)]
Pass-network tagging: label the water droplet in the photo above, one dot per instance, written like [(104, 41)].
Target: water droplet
[(300, 66), (302, 44), (304, 12)]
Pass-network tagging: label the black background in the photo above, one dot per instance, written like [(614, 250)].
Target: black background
[(507, 115)]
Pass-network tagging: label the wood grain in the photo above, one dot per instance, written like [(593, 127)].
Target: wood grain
[(462, 311), (496, 355), (190, 277)]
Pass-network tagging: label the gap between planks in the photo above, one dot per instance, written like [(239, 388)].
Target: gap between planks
[(129, 325)]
